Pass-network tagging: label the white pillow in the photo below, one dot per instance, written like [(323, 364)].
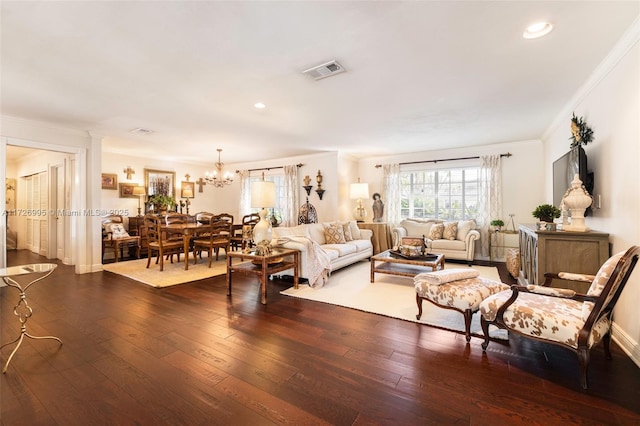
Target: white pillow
[(464, 226), (117, 231)]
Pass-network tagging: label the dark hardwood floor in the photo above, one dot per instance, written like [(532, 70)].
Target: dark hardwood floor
[(189, 355)]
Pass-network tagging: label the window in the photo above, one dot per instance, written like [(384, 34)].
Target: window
[(280, 199), (446, 194)]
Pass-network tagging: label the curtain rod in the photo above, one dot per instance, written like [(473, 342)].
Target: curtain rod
[(508, 154), (269, 168)]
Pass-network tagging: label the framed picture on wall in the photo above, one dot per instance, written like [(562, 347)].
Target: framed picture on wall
[(109, 181), (126, 190), (160, 182), (187, 189)]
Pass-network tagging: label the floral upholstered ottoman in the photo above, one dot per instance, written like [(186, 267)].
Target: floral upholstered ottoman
[(461, 289)]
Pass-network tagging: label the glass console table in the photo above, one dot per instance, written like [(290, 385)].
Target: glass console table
[(22, 309)]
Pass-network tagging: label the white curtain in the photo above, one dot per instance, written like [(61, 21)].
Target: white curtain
[(490, 196), (245, 194), (391, 193), (290, 208)]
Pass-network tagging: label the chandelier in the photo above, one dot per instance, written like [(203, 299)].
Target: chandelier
[(218, 178)]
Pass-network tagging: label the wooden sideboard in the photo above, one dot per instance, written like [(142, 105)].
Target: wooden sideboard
[(560, 251)]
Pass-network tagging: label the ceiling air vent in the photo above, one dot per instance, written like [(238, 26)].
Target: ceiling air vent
[(141, 131), (325, 70)]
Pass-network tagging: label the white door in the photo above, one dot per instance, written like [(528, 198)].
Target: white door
[(60, 190)]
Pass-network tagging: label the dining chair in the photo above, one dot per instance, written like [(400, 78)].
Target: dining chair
[(236, 239), (158, 243), (219, 237), (114, 236), (203, 217)]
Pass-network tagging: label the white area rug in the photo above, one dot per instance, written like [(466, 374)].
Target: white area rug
[(391, 296), (173, 273)]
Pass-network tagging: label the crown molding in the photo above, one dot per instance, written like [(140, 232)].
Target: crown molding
[(629, 39)]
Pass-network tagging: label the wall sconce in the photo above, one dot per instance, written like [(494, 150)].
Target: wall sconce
[(307, 184), (319, 191)]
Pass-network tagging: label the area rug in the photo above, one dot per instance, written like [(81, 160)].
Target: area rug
[(173, 273), (391, 296)]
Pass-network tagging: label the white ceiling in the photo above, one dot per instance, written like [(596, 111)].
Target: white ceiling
[(420, 75)]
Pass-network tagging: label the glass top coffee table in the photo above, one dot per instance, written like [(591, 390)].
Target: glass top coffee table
[(394, 264)]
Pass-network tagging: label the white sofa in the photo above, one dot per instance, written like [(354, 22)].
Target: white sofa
[(460, 246), (354, 249)]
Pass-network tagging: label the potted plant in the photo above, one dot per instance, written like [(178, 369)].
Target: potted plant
[(546, 213), (497, 224), (162, 202)]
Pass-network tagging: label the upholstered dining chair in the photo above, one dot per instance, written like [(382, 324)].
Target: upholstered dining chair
[(158, 243), (236, 238), (219, 237), (114, 236), (560, 316), (203, 217)]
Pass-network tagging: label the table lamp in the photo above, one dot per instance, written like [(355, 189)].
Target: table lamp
[(187, 193), (263, 196), (140, 192), (359, 191)]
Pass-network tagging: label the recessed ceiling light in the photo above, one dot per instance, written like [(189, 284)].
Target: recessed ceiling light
[(537, 30), (260, 105)]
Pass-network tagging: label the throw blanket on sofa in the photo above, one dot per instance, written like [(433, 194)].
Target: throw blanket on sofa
[(317, 261)]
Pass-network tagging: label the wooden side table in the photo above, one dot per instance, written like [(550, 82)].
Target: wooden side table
[(22, 309), (263, 266)]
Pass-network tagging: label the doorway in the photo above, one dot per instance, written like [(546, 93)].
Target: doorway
[(42, 199)]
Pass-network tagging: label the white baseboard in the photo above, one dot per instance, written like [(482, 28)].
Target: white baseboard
[(628, 345)]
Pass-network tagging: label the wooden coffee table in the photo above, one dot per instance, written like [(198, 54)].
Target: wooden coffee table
[(391, 264), (279, 260)]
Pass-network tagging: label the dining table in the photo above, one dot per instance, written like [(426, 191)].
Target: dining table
[(188, 231)]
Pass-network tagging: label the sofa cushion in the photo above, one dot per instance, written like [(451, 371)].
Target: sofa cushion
[(355, 231), (436, 231), (334, 234), (437, 245), (360, 245), (341, 249), (464, 226), (450, 230), (290, 231), (316, 232), (417, 228), (348, 236)]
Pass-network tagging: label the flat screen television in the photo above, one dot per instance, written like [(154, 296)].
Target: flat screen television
[(564, 168)]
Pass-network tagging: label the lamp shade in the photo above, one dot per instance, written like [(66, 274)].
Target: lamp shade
[(263, 194), (359, 191), (139, 190)]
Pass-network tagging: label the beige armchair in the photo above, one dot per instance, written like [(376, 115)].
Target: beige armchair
[(563, 317)]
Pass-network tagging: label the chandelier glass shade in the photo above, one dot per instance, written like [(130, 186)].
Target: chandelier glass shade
[(218, 177)]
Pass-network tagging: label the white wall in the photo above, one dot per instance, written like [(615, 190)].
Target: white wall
[(610, 105), (522, 180)]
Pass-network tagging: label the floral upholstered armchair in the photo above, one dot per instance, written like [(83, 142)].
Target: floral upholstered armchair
[(563, 317)]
